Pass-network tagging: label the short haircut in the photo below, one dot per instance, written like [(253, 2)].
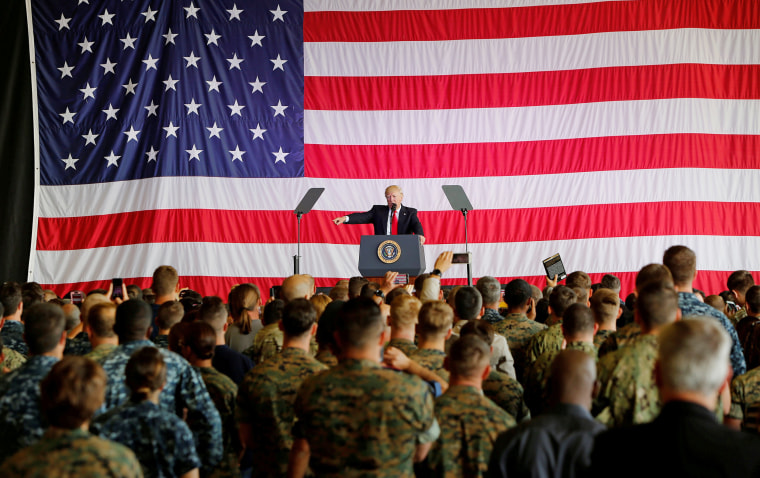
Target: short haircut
[(298, 317), (435, 319), (339, 292), (560, 299), (369, 289), (319, 301), (91, 301), (101, 319), (468, 303), (405, 311), (716, 302), (397, 292), (581, 295), (133, 319), (213, 312), (72, 391), (577, 320), (490, 289), (693, 356), (71, 314), (517, 292), (682, 263), (32, 293), (360, 323), (578, 279), (740, 281), (43, 327), (605, 304), (752, 299), (610, 282), (165, 280), (468, 356), (652, 273), (243, 301), (201, 338), (355, 285), (169, 313), (328, 324), (657, 304), (297, 286), (10, 297), (134, 292), (536, 293), (480, 328), (145, 372), (273, 312)]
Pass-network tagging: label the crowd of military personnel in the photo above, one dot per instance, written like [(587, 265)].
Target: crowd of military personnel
[(375, 379)]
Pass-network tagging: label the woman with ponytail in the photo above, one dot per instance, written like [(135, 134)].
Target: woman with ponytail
[(244, 303)]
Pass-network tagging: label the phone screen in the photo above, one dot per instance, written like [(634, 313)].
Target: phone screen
[(554, 266), (118, 288)]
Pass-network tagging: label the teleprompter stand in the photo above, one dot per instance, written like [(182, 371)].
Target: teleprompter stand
[(459, 202), (308, 201)]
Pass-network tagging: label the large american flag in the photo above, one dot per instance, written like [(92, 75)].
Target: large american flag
[(185, 133)]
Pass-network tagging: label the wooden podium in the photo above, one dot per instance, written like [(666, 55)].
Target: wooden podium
[(401, 253)]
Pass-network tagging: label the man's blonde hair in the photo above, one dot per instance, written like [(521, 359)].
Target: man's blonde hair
[(405, 310), (435, 319)]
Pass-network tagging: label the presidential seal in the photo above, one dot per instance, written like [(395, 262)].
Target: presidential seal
[(389, 251)]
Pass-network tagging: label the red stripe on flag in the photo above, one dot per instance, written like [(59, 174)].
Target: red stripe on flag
[(533, 157), (441, 227), (439, 25), (533, 88)]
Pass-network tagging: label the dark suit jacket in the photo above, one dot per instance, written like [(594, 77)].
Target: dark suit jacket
[(408, 222), (685, 440)]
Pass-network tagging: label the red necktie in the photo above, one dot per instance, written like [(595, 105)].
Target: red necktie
[(394, 224)]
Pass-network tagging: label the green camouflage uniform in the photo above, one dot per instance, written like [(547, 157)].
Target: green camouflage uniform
[(404, 345), (507, 393), (223, 393), (64, 453), (470, 424), (622, 337), (99, 353), (518, 330), (265, 402), (601, 336), (544, 341), (362, 420), (432, 360), (11, 360), (745, 395), (536, 382), (629, 394), (738, 316), (266, 344), (327, 357)]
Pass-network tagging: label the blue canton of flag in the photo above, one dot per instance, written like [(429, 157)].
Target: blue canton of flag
[(143, 88)]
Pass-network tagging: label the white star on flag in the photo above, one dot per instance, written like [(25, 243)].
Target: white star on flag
[(132, 134), (112, 160), (169, 36), (192, 60), (213, 85), (212, 38), (258, 132), (279, 63), (63, 22), (192, 11), (257, 85), (68, 116), (106, 17), (171, 130), (130, 87), (86, 45), (89, 92), (236, 109), (279, 156), (128, 41), (214, 131), (279, 108), (109, 67), (237, 153), (278, 15), (170, 84), (152, 109), (90, 138), (110, 112), (194, 153), (152, 154), (192, 107), (66, 70), (256, 38), (234, 13), (235, 61), (150, 62), (149, 14), (70, 162)]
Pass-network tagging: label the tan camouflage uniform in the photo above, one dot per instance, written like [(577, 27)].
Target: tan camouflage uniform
[(745, 398), (11, 360), (404, 345), (622, 337), (99, 353), (545, 341), (327, 357), (518, 330), (432, 360), (506, 393), (266, 344)]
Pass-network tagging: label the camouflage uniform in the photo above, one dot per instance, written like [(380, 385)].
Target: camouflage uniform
[(470, 424), (266, 344), (691, 306), (629, 394), (432, 360), (507, 393), (162, 442), (79, 345), (518, 330), (64, 453), (601, 336), (537, 381), (265, 402), (99, 353), (20, 419), (748, 331), (184, 389), (327, 357), (13, 336), (362, 419), (738, 316), (11, 360), (745, 392), (223, 392), (620, 338), (404, 345), (161, 341), (545, 341)]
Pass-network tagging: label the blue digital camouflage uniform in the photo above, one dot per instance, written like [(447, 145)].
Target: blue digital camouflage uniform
[(21, 423), (266, 344), (79, 345), (161, 341), (518, 329), (691, 307), (184, 389), (404, 345), (99, 353), (432, 360), (507, 393), (265, 402), (492, 316), (628, 394), (537, 381), (223, 392), (13, 336), (362, 419), (11, 360), (66, 453), (162, 442), (470, 424)]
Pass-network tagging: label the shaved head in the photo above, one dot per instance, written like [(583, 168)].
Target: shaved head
[(300, 286), (573, 378)]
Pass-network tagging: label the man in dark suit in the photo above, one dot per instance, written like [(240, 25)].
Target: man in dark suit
[(388, 219), (685, 439)]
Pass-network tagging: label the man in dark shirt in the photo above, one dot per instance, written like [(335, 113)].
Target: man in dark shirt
[(231, 363)]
